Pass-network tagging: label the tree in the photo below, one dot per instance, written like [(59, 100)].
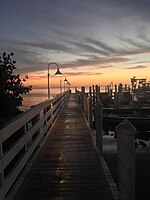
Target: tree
[(11, 88)]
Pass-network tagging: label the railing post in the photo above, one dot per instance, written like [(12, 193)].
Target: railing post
[(90, 91), (97, 93), (90, 116), (119, 94), (99, 125), (116, 103), (126, 160), (82, 97), (1, 171), (85, 106), (1, 149), (93, 95)]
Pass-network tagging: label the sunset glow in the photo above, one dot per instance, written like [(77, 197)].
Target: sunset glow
[(93, 42)]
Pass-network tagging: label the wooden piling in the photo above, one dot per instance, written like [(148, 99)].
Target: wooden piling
[(126, 160), (90, 114), (99, 125)]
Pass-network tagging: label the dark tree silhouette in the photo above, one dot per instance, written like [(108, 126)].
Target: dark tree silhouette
[(11, 88)]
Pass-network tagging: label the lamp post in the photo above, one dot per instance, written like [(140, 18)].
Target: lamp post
[(65, 81), (60, 84), (58, 73), (68, 85)]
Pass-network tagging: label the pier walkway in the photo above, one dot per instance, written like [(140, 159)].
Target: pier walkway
[(67, 166)]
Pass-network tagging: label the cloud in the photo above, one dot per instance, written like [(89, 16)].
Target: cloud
[(141, 62), (103, 67), (142, 35), (137, 67), (102, 45), (83, 74), (55, 46), (134, 52), (135, 44), (135, 49), (93, 62), (77, 34), (89, 48)]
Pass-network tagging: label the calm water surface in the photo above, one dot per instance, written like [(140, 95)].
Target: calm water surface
[(36, 96)]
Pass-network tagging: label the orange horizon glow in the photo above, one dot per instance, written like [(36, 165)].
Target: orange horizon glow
[(103, 76), (77, 81)]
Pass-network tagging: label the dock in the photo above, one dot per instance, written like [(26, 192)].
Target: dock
[(67, 165)]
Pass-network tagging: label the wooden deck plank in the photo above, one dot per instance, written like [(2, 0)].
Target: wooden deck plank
[(67, 166)]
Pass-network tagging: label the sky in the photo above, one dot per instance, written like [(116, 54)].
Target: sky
[(92, 41)]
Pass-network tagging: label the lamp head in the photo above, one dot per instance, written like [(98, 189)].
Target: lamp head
[(65, 80), (68, 83), (58, 73)]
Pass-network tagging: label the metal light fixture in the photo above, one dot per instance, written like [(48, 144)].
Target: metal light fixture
[(65, 81), (58, 73)]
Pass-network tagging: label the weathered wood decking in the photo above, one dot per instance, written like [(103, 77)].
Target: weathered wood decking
[(67, 167)]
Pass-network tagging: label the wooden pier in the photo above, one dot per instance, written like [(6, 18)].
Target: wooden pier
[(67, 166)]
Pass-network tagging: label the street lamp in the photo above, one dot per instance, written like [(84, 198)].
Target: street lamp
[(58, 73), (65, 81), (68, 85)]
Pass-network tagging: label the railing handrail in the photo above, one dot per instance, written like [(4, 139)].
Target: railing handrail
[(21, 119), (22, 135)]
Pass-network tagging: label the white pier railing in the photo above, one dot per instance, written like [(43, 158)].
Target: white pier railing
[(21, 136)]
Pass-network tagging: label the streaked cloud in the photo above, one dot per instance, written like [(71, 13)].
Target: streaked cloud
[(102, 45), (89, 48), (95, 62), (87, 34), (83, 74), (141, 62), (137, 67), (103, 67), (134, 43)]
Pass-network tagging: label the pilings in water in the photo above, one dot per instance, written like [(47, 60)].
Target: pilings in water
[(114, 96)]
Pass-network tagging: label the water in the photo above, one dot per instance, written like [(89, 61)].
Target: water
[(36, 96)]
